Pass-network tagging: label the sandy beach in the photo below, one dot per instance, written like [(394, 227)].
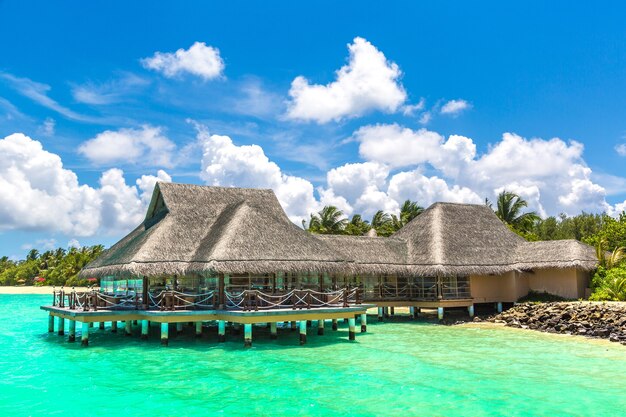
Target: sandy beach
[(34, 290)]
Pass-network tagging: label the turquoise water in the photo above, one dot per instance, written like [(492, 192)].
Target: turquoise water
[(396, 369)]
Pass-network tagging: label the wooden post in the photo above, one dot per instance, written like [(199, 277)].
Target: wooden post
[(72, 337), (309, 323), (334, 325), (351, 329), (363, 322), (499, 307), (222, 296), (417, 312), (470, 310), (144, 293), (145, 329), (302, 332), (128, 327), (320, 327), (114, 326), (247, 335), (380, 314), (411, 312), (440, 313), (386, 312), (293, 326), (221, 331), (165, 329), (273, 331), (198, 329), (393, 311), (101, 326), (50, 323), (236, 329), (84, 337), (61, 325), (179, 328)]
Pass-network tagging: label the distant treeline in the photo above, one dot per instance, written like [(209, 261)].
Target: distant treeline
[(52, 267)]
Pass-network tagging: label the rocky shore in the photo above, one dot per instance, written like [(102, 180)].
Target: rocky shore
[(591, 319)]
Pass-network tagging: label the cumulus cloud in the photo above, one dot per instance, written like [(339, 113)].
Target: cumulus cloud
[(199, 60), (621, 149), (226, 164), (551, 174), (146, 146), (454, 107), (368, 82), (37, 193)]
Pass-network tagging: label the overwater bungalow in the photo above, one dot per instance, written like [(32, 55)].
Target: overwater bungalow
[(231, 255)]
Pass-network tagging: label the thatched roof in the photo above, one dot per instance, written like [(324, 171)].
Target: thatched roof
[(370, 254), (230, 230), (190, 228)]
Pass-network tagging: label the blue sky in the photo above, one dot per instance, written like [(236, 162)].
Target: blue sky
[(357, 104)]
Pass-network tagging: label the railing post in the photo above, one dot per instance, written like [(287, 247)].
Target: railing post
[(308, 299), (54, 297), (345, 296), (256, 300)]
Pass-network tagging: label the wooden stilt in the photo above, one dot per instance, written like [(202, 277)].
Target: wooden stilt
[(380, 314), (198, 329), (50, 323), (499, 307), (302, 332), (61, 325), (101, 326), (179, 328), (293, 326), (386, 312), (273, 330), (411, 312), (84, 337), (351, 329), (236, 329), (165, 330), (417, 312), (393, 311), (320, 327), (247, 335), (309, 323), (470, 310), (334, 325), (440, 313), (90, 324), (363, 323), (145, 329), (128, 327), (114, 327), (72, 336), (221, 331)]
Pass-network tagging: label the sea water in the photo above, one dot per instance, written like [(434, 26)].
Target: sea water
[(398, 368)]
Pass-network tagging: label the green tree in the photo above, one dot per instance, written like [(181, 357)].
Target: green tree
[(357, 226), (329, 221), (509, 210)]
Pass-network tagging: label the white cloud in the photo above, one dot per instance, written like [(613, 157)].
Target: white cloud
[(47, 127), (74, 243), (368, 82), (110, 92), (455, 107), (38, 92), (146, 146), (229, 165), (410, 109), (200, 60), (551, 174), (52, 200), (621, 149)]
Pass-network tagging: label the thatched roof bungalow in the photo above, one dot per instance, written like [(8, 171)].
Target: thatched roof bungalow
[(201, 229)]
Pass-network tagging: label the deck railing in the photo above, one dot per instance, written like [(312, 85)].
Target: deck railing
[(247, 300)]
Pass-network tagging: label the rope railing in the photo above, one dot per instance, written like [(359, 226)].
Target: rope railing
[(248, 300)]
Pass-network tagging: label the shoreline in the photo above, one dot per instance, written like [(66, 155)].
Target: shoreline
[(28, 290)]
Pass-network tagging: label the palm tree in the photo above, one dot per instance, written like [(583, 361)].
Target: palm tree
[(409, 211), (509, 210), (329, 221), (357, 226), (383, 223)]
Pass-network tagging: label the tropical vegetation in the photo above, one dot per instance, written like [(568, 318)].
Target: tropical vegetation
[(52, 267)]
